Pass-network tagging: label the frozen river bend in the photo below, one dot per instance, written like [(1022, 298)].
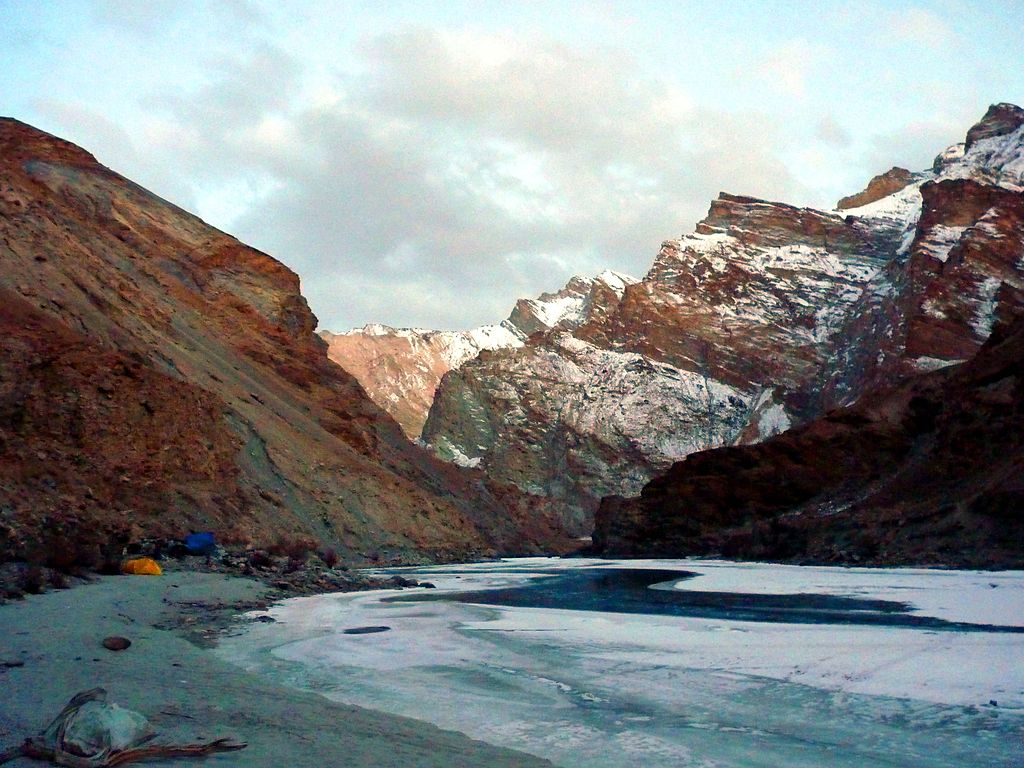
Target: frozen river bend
[(677, 663)]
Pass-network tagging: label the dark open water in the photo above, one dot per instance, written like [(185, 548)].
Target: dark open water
[(622, 590)]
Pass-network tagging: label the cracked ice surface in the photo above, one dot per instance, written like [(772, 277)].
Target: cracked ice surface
[(613, 689)]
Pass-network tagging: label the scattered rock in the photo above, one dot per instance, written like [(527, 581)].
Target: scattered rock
[(402, 582), (116, 643)]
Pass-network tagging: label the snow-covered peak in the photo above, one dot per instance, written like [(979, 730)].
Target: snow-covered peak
[(616, 281), (570, 307), (459, 346), (553, 311), (997, 160), (949, 155), (379, 329)]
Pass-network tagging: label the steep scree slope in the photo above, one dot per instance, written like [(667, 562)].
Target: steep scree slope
[(159, 375)]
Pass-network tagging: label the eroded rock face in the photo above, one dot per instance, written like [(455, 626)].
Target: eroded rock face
[(924, 463), (779, 312), (999, 120), (161, 376), (931, 471), (719, 343), (883, 185), (935, 303), (572, 421), (400, 368)]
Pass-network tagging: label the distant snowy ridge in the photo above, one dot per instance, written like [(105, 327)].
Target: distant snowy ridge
[(400, 368), (788, 310)]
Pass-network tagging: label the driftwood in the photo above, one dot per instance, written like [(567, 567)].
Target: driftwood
[(57, 745)]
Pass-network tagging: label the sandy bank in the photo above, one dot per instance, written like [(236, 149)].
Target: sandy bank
[(187, 693)]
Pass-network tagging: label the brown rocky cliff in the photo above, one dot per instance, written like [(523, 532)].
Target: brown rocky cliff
[(935, 304), (399, 372), (722, 341), (134, 278), (931, 471), (999, 120), (882, 185), (762, 284), (401, 368)]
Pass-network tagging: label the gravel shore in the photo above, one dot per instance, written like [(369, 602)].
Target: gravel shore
[(51, 648)]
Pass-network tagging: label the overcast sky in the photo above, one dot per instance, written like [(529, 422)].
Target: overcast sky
[(427, 163)]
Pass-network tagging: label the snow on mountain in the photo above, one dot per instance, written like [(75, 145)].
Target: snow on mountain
[(935, 302), (573, 420), (779, 311), (400, 368)]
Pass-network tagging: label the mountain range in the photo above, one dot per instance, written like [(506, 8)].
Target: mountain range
[(784, 382), (159, 377)]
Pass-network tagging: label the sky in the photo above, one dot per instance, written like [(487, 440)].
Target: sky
[(427, 163)]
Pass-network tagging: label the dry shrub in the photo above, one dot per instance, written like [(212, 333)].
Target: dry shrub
[(32, 580), (329, 557), (260, 559), (293, 549)]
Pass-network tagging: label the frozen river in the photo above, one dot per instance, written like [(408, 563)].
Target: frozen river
[(677, 663)]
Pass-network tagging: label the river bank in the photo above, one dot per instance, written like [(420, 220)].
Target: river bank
[(50, 648)]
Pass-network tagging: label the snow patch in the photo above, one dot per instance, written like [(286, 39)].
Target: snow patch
[(985, 308), (940, 240), (773, 421), (996, 160), (616, 281), (925, 363)]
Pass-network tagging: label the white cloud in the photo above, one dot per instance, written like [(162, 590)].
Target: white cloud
[(830, 132), (922, 27), (786, 68), (477, 167)]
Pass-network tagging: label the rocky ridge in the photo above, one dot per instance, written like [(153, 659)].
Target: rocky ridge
[(766, 316), (924, 461), (930, 471), (400, 368), (160, 376)]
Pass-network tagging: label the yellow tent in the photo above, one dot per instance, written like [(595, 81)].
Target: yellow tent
[(141, 566)]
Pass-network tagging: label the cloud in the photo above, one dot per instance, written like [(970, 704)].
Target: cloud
[(917, 144), (144, 17), (442, 175), (786, 68), (457, 172), (830, 132), (921, 27)]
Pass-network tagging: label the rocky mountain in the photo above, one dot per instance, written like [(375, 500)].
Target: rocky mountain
[(766, 316), (930, 471), (925, 463), (400, 368), (160, 376)]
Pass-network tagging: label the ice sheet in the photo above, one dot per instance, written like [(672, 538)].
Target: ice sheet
[(611, 689)]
